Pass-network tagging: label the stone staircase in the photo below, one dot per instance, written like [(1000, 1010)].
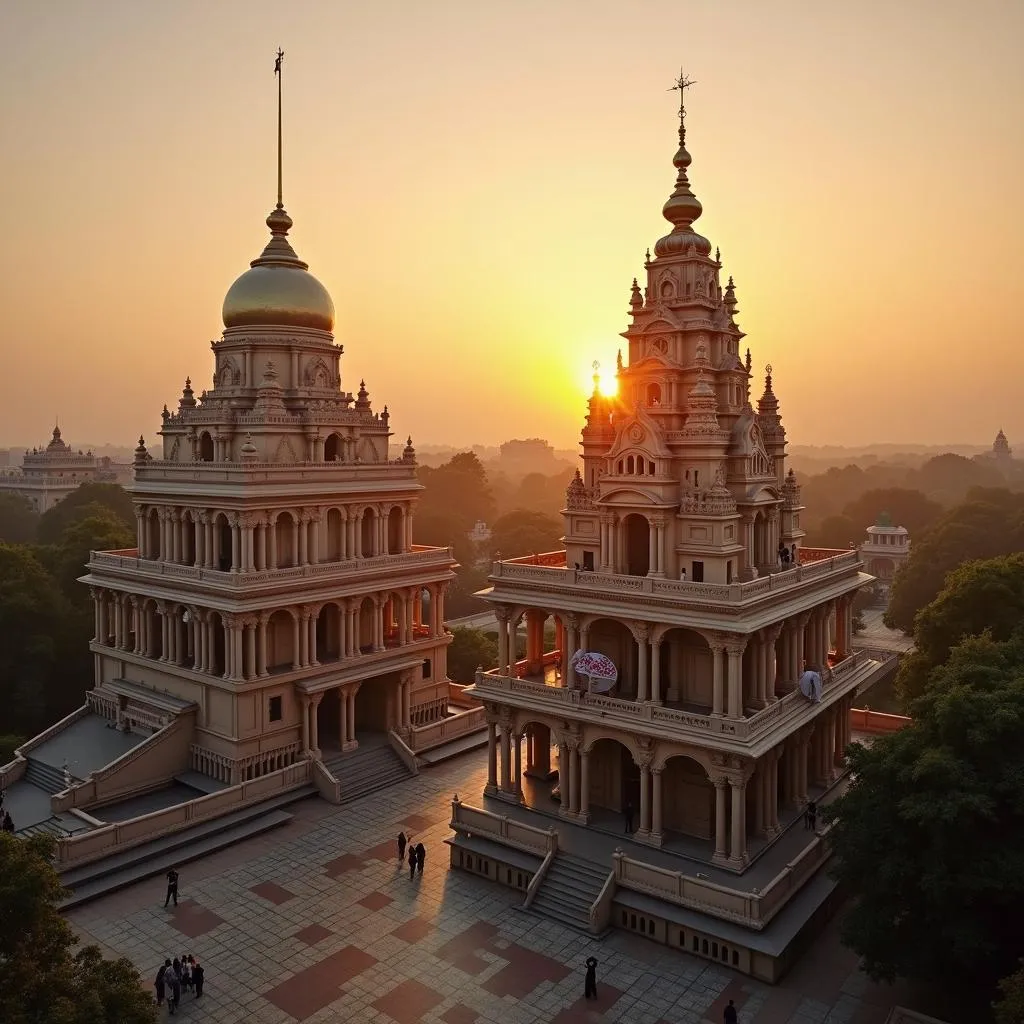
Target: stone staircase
[(569, 890), (46, 777), (366, 770), (60, 825)]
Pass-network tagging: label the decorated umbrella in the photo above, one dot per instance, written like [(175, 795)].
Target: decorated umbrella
[(599, 670)]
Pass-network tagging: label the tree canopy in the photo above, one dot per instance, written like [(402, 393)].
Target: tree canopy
[(18, 520), (988, 524), (906, 507), (836, 532), (979, 597), (525, 533), (78, 505), (42, 979), (469, 650), (929, 837), (457, 491), (1010, 1007)]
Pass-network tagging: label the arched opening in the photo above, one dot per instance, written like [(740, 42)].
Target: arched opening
[(205, 447), (396, 523), (687, 671), (332, 449), (638, 545), (614, 641), (372, 704), (285, 538), (687, 798), (334, 526), (614, 778), (281, 653), (367, 548), (759, 556), (217, 645), (630, 465), (222, 539), (392, 619), (654, 395), (367, 624), (188, 538), (153, 633), (153, 535), (328, 633)]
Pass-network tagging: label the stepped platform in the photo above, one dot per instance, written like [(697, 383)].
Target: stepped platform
[(569, 890), (86, 745), (370, 767), (454, 748), (156, 857), (147, 803)]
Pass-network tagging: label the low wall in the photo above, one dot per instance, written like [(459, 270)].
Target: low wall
[(123, 835), (457, 695), (328, 786), (12, 771), (866, 720), (424, 737), (500, 829), (57, 727)]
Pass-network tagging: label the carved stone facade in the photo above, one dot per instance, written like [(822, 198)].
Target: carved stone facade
[(275, 582)]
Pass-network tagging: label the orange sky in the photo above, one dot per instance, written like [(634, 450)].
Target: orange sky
[(476, 182)]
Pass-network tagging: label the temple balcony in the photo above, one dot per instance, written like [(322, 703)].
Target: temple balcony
[(156, 476)]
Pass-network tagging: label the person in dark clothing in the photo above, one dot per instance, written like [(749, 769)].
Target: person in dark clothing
[(402, 841), (198, 977), (729, 1013), (185, 972), (159, 984), (627, 813), (421, 856), (811, 816), (173, 980), (172, 887), (412, 863), (8, 822), (590, 981)]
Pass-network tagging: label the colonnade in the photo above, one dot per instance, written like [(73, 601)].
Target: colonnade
[(252, 541), (748, 671)]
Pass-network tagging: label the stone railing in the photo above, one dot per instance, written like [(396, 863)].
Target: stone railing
[(866, 720), (539, 875), (123, 835), (601, 909), (545, 574), (419, 558), (501, 829), (423, 737), (322, 473), (457, 695), (232, 770), (553, 558), (807, 555), (401, 748), (328, 786), (747, 908), (12, 771), (57, 727)]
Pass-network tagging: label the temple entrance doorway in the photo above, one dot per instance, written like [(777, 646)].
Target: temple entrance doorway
[(638, 545), (372, 706), (613, 783), (328, 722), (688, 799)]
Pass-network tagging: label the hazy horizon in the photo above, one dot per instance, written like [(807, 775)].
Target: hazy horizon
[(477, 189)]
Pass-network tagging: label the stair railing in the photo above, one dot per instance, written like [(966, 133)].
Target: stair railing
[(601, 909), (538, 876), (398, 745), (325, 782)]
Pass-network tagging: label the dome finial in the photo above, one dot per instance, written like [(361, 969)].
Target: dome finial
[(277, 72)]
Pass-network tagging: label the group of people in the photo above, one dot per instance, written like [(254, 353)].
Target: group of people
[(177, 976), (417, 854), (6, 821)]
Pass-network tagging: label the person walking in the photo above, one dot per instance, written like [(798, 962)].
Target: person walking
[(186, 975), (160, 984), (729, 1013), (402, 842), (421, 856), (172, 887), (412, 863), (198, 977), (811, 816), (173, 980), (590, 981), (8, 822), (627, 813)]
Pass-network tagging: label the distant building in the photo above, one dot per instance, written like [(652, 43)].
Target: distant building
[(50, 474), (533, 455), (887, 547), (480, 534), (1001, 450)]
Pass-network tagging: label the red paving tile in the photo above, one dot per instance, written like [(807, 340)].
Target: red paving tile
[(273, 892), (413, 930), (383, 851), (312, 934), (309, 991), (194, 920), (461, 950), (459, 1014), (420, 822), (346, 862), (469, 963), (375, 901), (585, 1010), (524, 972), (409, 1002)]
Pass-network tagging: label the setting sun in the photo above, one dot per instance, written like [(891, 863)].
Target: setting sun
[(608, 384)]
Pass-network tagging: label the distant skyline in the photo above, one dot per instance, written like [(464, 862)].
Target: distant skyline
[(476, 185)]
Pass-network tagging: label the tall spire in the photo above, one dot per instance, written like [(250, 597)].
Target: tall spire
[(683, 207), (278, 73)]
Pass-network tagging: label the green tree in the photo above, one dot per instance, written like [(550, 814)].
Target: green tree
[(42, 979), (98, 529), (1009, 1009), (947, 478), (906, 507), (462, 599), (8, 745), (979, 597), (457, 490), (18, 520), (929, 837), (470, 649), (78, 505), (525, 533), (988, 524), (835, 532)]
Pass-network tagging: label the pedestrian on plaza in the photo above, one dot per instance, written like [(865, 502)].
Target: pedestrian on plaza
[(159, 984), (729, 1013), (173, 981), (412, 863), (198, 976), (172, 887), (186, 975), (590, 981), (627, 812), (402, 841), (811, 816), (421, 856), (8, 822)]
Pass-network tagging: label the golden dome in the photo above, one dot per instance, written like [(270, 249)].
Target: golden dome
[(278, 290)]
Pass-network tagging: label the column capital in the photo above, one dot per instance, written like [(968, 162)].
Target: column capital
[(734, 644), (772, 633), (641, 631), (501, 613), (720, 781)]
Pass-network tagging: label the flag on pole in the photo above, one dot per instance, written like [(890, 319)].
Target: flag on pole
[(277, 63)]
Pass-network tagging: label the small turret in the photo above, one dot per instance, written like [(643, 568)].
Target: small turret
[(141, 453), (408, 452), (636, 299)]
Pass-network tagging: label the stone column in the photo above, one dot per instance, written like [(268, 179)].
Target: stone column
[(747, 527), (574, 777), (660, 548), (721, 818), (585, 783), (641, 633), (517, 740), (506, 756), (236, 544), (492, 755), (297, 634), (250, 670), (652, 549), (304, 698), (738, 853), (261, 659), (758, 779), (656, 805), (313, 619), (572, 631), (718, 676), (645, 797), (656, 671), (563, 777), (734, 649)]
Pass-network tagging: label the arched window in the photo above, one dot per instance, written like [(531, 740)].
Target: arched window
[(205, 447), (618, 466), (654, 395), (332, 449), (630, 465)]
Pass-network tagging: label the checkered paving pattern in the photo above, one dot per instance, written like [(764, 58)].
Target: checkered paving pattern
[(319, 922)]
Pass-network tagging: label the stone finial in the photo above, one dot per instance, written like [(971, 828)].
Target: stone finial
[(409, 453), (636, 299), (141, 453), (248, 451), (385, 416)]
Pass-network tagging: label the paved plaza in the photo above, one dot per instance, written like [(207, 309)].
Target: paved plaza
[(318, 922)]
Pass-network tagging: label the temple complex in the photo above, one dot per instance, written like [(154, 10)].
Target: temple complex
[(658, 693), (886, 548)]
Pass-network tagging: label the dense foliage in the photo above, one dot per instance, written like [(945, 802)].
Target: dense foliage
[(525, 533), (930, 835), (42, 979), (469, 650)]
